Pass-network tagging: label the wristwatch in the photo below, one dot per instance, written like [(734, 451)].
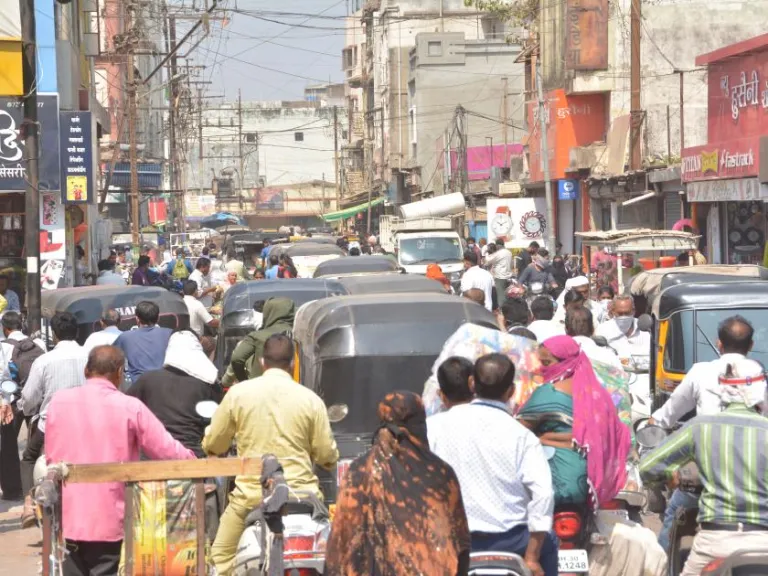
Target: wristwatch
[(501, 223)]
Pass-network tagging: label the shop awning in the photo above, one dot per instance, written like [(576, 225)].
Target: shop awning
[(352, 211)]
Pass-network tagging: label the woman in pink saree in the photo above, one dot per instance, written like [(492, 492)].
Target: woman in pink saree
[(590, 453)]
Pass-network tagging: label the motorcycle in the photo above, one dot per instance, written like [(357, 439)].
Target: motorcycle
[(685, 525), (304, 527), (497, 564)]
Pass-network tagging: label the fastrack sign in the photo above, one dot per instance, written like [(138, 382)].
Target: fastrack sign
[(735, 159)]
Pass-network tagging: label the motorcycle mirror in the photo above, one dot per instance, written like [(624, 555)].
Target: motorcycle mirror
[(206, 408), (9, 387), (645, 323), (337, 413), (650, 436), (601, 341), (549, 452)]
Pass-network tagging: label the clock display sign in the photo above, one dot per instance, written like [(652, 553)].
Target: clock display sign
[(516, 221)]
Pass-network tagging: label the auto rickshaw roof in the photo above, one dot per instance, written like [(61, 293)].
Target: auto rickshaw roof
[(651, 282), (233, 230), (710, 296), (309, 249), (640, 240), (403, 324), (242, 296), (356, 265), (390, 284), (316, 239), (88, 303)]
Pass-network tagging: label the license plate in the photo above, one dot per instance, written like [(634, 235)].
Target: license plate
[(572, 561)]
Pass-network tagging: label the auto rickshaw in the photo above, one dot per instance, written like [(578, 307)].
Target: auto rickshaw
[(357, 266), (237, 317), (389, 284), (307, 256), (353, 350), (685, 323), (89, 303)]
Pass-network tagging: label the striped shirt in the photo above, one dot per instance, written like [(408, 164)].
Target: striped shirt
[(729, 451), (63, 367)]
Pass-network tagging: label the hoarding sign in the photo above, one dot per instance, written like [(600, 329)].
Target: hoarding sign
[(76, 157), (517, 221), (568, 190), (13, 166), (586, 35), (733, 159)]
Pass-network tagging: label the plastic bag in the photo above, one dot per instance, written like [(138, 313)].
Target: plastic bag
[(472, 341), (164, 529)]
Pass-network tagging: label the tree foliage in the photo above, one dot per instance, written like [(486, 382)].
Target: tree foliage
[(516, 13)]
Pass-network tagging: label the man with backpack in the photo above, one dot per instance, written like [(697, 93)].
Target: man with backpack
[(181, 267), (18, 354)]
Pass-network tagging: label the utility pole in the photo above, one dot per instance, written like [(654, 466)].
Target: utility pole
[(31, 150), (178, 197), (240, 142), (636, 113), (682, 113), (200, 135), (335, 157), (543, 121), (131, 89), (504, 113)]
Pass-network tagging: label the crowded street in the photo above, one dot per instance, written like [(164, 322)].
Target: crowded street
[(383, 288)]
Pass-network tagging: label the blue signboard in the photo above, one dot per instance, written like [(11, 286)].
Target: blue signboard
[(567, 189), (76, 158), (13, 164)]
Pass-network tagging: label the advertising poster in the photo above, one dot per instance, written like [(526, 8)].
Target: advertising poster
[(76, 157), (517, 221), (13, 167)]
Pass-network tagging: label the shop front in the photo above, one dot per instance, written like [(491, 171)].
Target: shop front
[(725, 178)]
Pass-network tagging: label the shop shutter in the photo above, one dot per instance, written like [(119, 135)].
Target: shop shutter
[(673, 209)]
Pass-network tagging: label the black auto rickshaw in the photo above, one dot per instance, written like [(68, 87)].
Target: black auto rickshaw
[(390, 284), (353, 350), (359, 265), (89, 303), (685, 323), (237, 312)]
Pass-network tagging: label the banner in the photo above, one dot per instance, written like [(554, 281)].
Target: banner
[(13, 166), (76, 157), (517, 221)]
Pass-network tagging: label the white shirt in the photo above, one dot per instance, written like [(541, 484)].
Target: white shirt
[(63, 367), (501, 264), (637, 343), (104, 337), (545, 329), (598, 353), (504, 476), (698, 390), (203, 283), (198, 315), (109, 278), (476, 277)]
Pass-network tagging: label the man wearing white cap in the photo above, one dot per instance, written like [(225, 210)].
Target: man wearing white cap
[(578, 284), (701, 391), (728, 450)]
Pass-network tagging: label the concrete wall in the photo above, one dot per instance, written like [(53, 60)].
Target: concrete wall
[(280, 159), (468, 73), (673, 33)]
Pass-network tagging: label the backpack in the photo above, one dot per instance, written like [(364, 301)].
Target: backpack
[(180, 270), (25, 352)]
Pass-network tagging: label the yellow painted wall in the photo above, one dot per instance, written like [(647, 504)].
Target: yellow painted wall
[(10, 68)]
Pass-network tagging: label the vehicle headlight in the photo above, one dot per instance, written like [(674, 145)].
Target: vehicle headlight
[(454, 276)]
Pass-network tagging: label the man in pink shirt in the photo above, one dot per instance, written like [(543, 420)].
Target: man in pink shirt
[(95, 424)]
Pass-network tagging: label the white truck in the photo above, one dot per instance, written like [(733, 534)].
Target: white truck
[(419, 242)]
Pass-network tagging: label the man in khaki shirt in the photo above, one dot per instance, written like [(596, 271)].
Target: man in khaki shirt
[(270, 414)]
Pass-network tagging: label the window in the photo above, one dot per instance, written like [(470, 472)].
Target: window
[(298, 136), (434, 48), (344, 134)]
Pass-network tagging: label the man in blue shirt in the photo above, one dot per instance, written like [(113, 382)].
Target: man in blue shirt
[(265, 252), (9, 295), (274, 267), (144, 347)]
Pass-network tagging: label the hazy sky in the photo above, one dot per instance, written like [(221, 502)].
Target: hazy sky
[(300, 49)]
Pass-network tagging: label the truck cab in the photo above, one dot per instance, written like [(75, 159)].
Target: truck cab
[(417, 243)]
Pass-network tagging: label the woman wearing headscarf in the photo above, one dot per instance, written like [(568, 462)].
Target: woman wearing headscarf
[(399, 510), (591, 449), (434, 272)]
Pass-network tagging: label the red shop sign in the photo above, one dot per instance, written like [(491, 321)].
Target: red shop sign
[(733, 159)]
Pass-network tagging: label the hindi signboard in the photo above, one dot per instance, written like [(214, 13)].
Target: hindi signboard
[(76, 157)]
